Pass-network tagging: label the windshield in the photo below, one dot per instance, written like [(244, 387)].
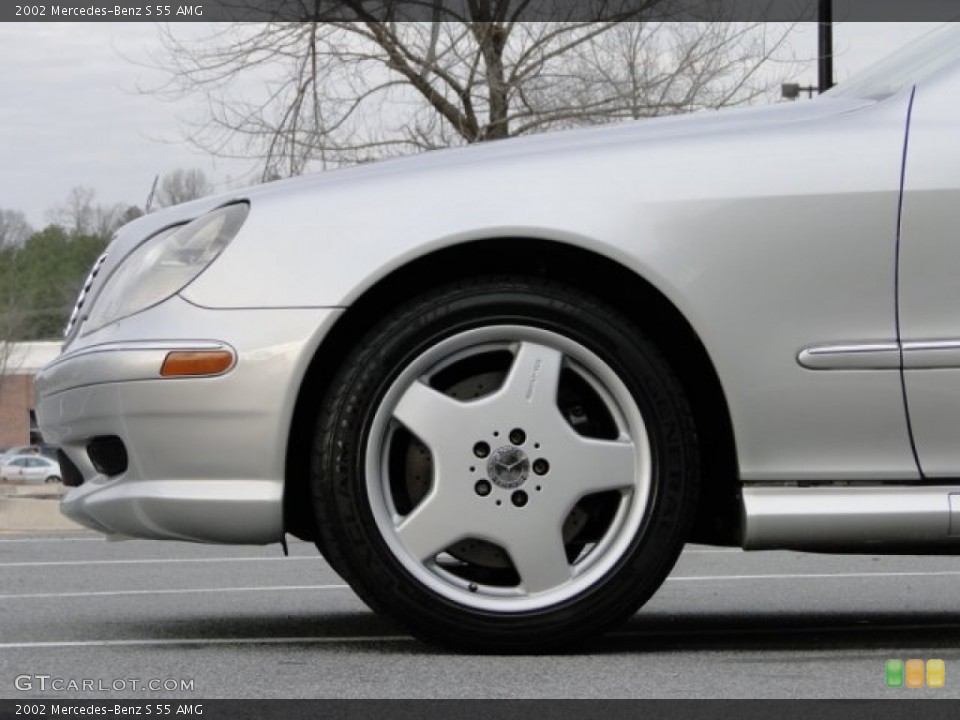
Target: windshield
[(908, 66)]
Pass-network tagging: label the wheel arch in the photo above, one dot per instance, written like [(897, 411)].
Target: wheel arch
[(718, 515)]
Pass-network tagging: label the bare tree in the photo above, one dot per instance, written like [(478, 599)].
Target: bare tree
[(79, 215), (14, 232), (345, 92), (11, 303), (639, 70), (14, 228), (76, 213), (8, 359), (130, 214), (183, 185)]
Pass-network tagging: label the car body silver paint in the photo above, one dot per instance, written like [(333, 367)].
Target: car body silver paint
[(727, 214), (772, 230), (207, 455), (142, 361), (864, 519), (929, 264)]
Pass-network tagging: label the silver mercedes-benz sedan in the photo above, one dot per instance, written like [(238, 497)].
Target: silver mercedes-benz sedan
[(501, 386)]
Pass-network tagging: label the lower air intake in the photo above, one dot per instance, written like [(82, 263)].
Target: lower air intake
[(108, 455), (72, 477)]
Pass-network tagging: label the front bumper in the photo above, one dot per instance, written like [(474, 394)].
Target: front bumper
[(206, 455)]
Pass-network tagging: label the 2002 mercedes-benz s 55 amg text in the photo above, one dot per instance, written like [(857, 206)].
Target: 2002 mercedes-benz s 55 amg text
[(501, 386)]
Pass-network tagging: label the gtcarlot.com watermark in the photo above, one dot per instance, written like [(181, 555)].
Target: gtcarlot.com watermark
[(51, 683)]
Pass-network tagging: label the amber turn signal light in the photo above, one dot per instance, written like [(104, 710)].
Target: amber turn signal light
[(196, 363)]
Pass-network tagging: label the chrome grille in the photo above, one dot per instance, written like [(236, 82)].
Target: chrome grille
[(82, 298)]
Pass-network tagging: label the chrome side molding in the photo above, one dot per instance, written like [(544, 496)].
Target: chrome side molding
[(864, 356), (851, 518), (929, 355), (917, 355)]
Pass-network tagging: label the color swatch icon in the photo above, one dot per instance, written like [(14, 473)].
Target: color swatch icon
[(894, 673), (912, 673), (936, 673)]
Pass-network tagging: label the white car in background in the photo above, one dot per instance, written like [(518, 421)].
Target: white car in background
[(29, 469), (10, 453)]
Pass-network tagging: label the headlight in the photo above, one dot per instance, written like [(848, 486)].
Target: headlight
[(165, 264)]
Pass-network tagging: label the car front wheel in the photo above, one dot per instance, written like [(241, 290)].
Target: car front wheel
[(505, 465)]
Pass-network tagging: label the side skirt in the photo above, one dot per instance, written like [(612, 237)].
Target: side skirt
[(855, 519)]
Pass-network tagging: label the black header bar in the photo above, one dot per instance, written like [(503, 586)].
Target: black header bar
[(489, 10)]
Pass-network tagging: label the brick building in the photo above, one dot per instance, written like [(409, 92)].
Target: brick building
[(18, 364)]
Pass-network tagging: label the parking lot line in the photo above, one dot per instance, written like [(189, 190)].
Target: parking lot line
[(148, 561), (65, 538), (812, 576), (203, 641), (342, 586), (169, 591)]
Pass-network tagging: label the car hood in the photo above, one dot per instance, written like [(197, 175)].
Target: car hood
[(728, 121)]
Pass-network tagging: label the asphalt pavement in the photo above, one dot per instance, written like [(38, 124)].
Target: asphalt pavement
[(106, 619)]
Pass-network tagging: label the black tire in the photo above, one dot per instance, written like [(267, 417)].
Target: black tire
[(52, 479), (389, 580)]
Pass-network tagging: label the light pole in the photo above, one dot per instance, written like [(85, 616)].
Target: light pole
[(791, 91), (825, 45)]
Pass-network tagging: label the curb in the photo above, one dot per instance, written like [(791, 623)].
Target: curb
[(32, 514)]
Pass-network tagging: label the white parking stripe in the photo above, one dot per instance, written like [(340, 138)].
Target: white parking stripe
[(341, 586), (185, 591), (148, 561), (84, 538), (92, 537), (812, 576), (202, 641), (58, 563), (812, 629)]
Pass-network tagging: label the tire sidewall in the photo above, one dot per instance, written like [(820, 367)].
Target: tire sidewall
[(379, 576)]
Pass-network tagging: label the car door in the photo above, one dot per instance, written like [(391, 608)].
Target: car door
[(15, 470), (36, 470), (929, 274)]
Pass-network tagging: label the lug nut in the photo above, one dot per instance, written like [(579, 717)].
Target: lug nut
[(483, 488), (519, 498), (541, 466), (481, 449), (517, 436)]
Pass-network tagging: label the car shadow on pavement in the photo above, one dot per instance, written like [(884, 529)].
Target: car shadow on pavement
[(644, 633), (348, 626), (788, 630)]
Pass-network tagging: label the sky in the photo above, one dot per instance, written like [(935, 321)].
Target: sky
[(73, 112)]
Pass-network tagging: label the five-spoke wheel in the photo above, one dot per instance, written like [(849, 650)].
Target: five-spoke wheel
[(505, 465), (491, 483)]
